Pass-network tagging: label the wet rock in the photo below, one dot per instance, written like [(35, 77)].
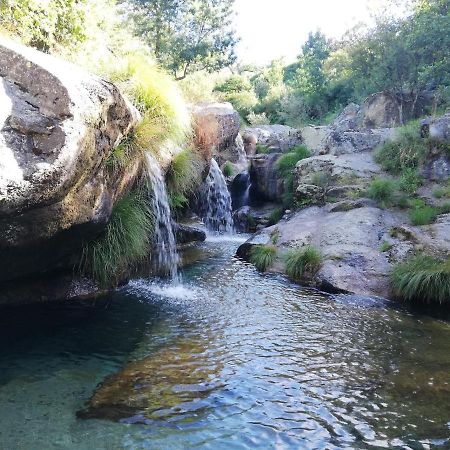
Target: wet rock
[(265, 180), (179, 375), (58, 126), (242, 219), (186, 234)]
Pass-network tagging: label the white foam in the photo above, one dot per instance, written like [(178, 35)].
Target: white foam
[(177, 291)]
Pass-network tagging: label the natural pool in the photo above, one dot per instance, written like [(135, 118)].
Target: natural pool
[(232, 360)]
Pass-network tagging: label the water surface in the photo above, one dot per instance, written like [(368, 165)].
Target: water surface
[(232, 360)]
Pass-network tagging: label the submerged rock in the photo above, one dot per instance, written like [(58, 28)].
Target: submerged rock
[(177, 376), (58, 126)]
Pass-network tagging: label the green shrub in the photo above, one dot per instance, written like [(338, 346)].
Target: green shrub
[(423, 215), (303, 262), (410, 181), (263, 256), (243, 102), (262, 149), (235, 83), (228, 169), (442, 191), (287, 162), (385, 247), (275, 216), (422, 279), (126, 240), (407, 151), (183, 178), (382, 190)]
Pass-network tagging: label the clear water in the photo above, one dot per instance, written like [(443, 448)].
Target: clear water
[(167, 257), (230, 360), (218, 201)]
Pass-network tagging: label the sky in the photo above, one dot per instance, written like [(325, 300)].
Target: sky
[(270, 29)]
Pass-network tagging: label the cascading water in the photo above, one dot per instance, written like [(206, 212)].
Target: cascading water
[(165, 242), (218, 208), (240, 190)]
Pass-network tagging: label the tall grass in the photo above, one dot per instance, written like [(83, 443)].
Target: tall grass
[(423, 279), (125, 241), (303, 262), (183, 177), (285, 167), (382, 190), (263, 256), (407, 151), (423, 215)]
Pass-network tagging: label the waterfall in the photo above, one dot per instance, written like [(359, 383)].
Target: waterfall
[(165, 242), (218, 201), (240, 190)]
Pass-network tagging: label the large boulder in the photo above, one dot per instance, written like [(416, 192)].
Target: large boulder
[(387, 110), (349, 119), (218, 119), (58, 126), (355, 141), (278, 138), (314, 138), (320, 176)]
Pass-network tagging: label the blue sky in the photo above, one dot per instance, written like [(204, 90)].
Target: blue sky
[(271, 29)]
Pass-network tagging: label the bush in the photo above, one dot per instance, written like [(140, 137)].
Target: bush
[(235, 83), (228, 169), (407, 151), (287, 162), (423, 215), (410, 181), (385, 247), (126, 240), (263, 256), (243, 102), (423, 279), (382, 190), (303, 262), (258, 119), (183, 178), (442, 191), (275, 216)]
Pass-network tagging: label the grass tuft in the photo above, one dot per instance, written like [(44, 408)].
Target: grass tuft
[(382, 190), (423, 215), (422, 279), (228, 169), (275, 216), (263, 256), (126, 240), (303, 262)]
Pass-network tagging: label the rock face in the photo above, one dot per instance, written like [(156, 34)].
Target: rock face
[(279, 138), (58, 126), (264, 177), (385, 110)]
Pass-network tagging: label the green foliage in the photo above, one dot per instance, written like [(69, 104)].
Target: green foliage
[(410, 181), (258, 119), (382, 190), (46, 25), (262, 149), (251, 222), (263, 256), (275, 216), (228, 169), (442, 191), (275, 236), (423, 280), (303, 262), (187, 36), (233, 84), (183, 177), (126, 240), (243, 102), (287, 162), (423, 215), (407, 151), (385, 246)]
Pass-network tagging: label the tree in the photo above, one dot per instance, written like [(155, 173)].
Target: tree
[(187, 36)]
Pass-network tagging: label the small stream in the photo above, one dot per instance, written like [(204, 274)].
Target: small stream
[(230, 360)]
